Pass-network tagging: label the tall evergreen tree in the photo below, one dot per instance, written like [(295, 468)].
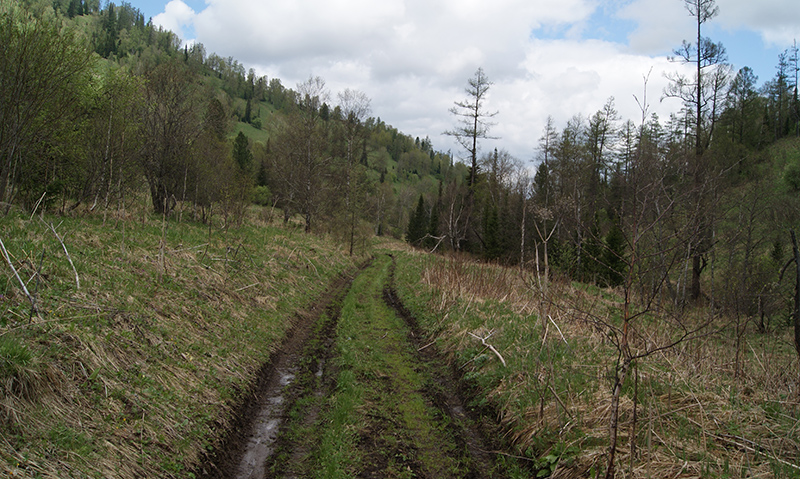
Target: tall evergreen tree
[(241, 151), (417, 224)]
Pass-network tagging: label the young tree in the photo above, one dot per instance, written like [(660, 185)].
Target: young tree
[(355, 108), (473, 120)]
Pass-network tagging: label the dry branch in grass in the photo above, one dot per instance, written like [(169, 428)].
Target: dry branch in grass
[(34, 307), (489, 346), (69, 258)]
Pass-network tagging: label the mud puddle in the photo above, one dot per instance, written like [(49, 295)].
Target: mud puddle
[(251, 442), (266, 425), (278, 431)]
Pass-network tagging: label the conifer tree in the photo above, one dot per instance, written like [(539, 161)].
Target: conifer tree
[(417, 223), (613, 256), (433, 223), (493, 247), (241, 151)]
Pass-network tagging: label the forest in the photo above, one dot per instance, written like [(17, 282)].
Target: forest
[(99, 106)]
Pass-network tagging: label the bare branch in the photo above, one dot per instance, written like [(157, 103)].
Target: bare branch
[(491, 348), (69, 258), (7, 257)]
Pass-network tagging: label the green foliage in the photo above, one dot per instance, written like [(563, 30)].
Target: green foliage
[(262, 195), (417, 223), (242, 153), (45, 72), (791, 175)]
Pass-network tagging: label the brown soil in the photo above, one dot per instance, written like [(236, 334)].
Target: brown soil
[(251, 441), (259, 445)]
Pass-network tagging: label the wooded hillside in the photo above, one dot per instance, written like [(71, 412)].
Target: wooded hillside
[(99, 106)]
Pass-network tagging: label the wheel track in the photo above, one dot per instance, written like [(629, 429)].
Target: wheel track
[(292, 386)]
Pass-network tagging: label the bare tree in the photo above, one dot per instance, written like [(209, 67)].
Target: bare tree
[(702, 95), (301, 152), (473, 119), (355, 108)]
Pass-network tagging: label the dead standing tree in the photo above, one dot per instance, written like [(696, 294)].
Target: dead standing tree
[(796, 308), (702, 96), (473, 125)]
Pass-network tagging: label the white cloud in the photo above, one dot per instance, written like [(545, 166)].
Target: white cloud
[(569, 77), (175, 17), (777, 21), (413, 57), (661, 22)]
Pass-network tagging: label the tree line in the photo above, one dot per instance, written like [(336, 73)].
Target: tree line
[(716, 183), (92, 123)]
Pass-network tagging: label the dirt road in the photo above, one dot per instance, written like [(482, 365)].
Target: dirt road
[(356, 391)]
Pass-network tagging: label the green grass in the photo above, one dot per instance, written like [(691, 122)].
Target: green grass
[(693, 413), (140, 366), (381, 396)]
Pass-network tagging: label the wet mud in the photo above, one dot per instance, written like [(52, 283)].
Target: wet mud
[(261, 443), (250, 443)]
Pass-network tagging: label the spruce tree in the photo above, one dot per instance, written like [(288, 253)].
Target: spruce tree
[(433, 227), (417, 223), (492, 233), (241, 151)]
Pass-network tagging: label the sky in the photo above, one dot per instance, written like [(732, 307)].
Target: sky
[(413, 58)]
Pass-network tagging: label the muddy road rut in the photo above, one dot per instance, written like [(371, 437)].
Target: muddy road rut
[(356, 391)]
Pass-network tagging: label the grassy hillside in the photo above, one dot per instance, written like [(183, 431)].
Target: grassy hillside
[(135, 372), (716, 405)]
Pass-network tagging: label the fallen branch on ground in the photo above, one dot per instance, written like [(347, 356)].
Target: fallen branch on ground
[(34, 308), (491, 348)]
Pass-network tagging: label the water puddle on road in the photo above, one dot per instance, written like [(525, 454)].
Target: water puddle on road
[(266, 426)]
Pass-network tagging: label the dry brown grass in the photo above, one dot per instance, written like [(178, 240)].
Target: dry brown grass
[(695, 417), (135, 374)]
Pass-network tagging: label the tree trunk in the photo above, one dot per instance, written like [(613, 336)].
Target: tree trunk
[(796, 312), (614, 422)]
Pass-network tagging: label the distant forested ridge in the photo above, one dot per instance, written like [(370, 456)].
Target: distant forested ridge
[(99, 105)]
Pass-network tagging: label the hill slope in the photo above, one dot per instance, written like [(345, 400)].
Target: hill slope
[(135, 373)]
